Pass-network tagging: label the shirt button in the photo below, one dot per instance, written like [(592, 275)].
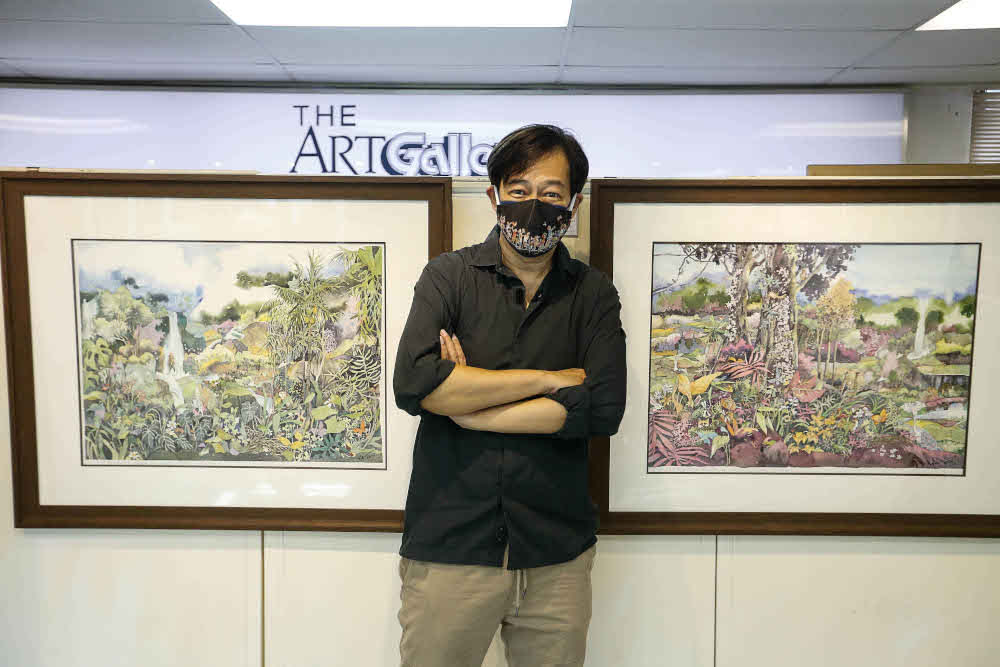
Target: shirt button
[(501, 534)]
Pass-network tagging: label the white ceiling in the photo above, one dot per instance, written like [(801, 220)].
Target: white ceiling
[(608, 43)]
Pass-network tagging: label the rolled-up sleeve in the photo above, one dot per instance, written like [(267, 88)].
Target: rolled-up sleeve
[(419, 367), (596, 407)]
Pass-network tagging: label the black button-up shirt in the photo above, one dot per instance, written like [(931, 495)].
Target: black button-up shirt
[(473, 492)]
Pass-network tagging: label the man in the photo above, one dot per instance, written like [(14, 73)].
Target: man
[(513, 355)]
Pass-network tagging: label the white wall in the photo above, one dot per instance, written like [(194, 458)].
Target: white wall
[(123, 598), (938, 124), (150, 598)]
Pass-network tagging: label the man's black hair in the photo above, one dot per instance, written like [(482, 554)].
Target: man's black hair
[(515, 153)]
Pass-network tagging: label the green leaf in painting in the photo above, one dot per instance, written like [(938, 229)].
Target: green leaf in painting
[(322, 412), (334, 425), (718, 442), (288, 454), (761, 422)]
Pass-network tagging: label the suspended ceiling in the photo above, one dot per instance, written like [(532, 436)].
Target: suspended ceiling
[(607, 43)]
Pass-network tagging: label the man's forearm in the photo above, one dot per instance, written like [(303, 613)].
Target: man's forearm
[(537, 415), (468, 389)]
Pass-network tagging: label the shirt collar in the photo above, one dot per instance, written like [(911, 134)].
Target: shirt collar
[(487, 253)]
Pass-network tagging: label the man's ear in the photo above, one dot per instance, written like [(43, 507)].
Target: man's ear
[(576, 204), (492, 193)]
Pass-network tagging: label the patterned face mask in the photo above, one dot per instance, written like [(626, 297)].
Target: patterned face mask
[(532, 227)]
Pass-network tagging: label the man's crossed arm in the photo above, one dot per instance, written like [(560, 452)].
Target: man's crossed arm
[(568, 404), (507, 401)]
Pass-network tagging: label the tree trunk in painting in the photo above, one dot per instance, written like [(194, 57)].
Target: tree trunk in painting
[(772, 295), (764, 322), (742, 295), (819, 351), (793, 290), (836, 342), (826, 365), (819, 357), (826, 350)]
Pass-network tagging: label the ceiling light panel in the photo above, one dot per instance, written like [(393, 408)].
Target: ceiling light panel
[(967, 15), (400, 13)]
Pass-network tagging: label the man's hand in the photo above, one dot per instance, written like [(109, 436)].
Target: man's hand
[(567, 378), (451, 348)]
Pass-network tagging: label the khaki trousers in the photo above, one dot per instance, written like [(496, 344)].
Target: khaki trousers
[(450, 613)]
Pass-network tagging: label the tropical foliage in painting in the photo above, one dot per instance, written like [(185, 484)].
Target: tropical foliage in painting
[(292, 373), (810, 355)]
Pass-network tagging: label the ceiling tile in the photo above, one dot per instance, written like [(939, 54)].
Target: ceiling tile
[(988, 74), (695, 76), (423, 74), (939, 48), (722, 48), (125, 11), (139, 71), (825, 14), (412, 46), (150, 42)]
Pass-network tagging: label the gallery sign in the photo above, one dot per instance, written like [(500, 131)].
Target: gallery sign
[(333, 144), (341, 133)]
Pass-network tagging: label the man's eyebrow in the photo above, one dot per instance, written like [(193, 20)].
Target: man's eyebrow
[(523, 181)]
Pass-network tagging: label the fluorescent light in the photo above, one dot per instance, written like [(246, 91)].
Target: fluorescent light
[(967, 15), (400, 13)]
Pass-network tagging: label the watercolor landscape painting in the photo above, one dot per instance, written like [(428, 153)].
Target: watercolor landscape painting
[(231, 353), (781, 356)]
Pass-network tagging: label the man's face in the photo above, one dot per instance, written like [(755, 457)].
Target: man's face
[(546, 180)]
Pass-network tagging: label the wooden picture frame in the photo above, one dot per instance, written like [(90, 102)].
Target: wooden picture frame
[(910, 170), (744, 196), (305, 200)]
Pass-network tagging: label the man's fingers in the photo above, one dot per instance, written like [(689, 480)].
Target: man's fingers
[(445, 346), (459, 352)]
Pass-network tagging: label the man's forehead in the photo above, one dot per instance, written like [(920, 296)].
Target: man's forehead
[(552, 166)]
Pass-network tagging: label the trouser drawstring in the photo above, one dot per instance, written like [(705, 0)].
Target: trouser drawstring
[(520, 588)]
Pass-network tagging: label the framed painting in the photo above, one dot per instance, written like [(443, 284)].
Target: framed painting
[(801, 356), (211, 351)]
